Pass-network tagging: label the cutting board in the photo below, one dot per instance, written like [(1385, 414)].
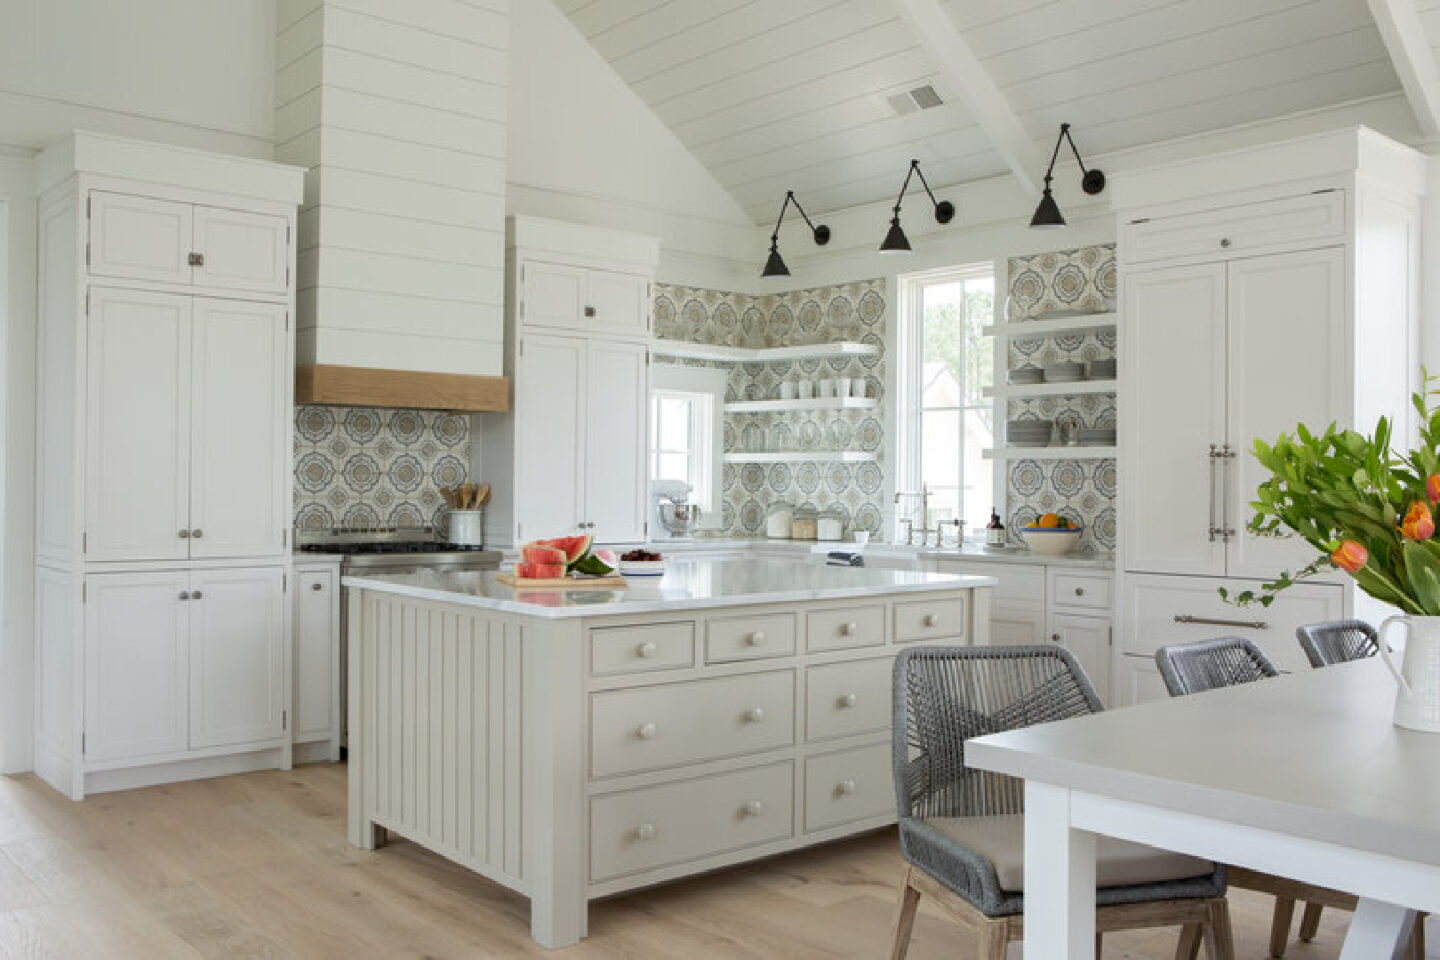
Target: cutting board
[(564, 583)]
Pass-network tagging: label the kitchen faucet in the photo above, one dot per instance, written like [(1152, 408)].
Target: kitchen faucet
[(924, 496)]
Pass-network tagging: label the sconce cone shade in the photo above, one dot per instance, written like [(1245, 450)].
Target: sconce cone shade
[(1047, 214), (895, 241), (774, 266)]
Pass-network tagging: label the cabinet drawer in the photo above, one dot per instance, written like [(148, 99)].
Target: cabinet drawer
[(659, 826), (1018, 582), (851, 627), (750, 638), (1080, 590), (1312, 220), (847, 698), (931, 619), (848, 785), (661, 726), (660, 646)]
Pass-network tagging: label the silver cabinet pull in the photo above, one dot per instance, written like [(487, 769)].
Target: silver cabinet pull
[(196, 595), (317, 586), (589, 311), (1227, 457), (1220, 622), (196, 534), (1214, 493), (197, 260), (184, 595)]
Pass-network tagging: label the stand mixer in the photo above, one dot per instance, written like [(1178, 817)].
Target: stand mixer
[(677, 514)]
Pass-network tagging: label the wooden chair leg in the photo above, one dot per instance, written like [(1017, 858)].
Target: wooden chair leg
[(1189, 946), (904, 918), (1219, 942), (1310, 921), (1099, 944), (1417, 939), (997, 939), (1280, 925)]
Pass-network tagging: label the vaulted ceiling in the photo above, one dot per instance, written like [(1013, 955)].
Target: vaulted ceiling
[(793, 94)]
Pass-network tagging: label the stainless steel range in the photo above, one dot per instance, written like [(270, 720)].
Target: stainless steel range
[(369, 550)]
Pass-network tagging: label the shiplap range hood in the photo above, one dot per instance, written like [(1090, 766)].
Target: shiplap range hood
[(399, 114)]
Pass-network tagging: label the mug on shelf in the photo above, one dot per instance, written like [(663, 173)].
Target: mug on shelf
[(787, 390), (807, 389)]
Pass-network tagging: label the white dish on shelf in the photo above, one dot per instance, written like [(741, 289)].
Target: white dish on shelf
[(1028, 442)]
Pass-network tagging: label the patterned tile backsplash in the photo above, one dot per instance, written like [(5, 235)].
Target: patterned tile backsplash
[(1081, 490), (852, 311), (370, 467)]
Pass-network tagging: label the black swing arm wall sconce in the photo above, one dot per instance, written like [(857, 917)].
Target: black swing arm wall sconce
[(1047, 214), (774, 265), (895, 240)]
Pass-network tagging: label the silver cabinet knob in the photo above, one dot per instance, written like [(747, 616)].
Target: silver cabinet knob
[(1079, 591), (755, 714), (930, 620), (753, 808), (848, 700), (589, 311), (196, 259), (647, 649), (845, 788), (646, 831), (184, 534), (1055, 637), (317, 586), (184, 595), (196, 534), (196, 595), (756, 639), (646, 731), (1224, 241)]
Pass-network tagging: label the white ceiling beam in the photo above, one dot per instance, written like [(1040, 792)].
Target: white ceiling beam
[(961, 68), (1413, 58)]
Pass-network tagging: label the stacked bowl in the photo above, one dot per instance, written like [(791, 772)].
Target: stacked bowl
[(1029, 433)]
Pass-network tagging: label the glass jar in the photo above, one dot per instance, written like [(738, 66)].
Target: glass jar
[(778, 518), (830, 525), (805, 524)]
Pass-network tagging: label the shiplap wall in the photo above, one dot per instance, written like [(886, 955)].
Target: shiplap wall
[(399, 111)]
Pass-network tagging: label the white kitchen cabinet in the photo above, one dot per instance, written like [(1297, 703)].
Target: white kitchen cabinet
[(617, 389), (237, 656), (584, 300), (315, 709), (1137, 680), (1088, 638), (1017, 624), (135, 237), (617, 304)]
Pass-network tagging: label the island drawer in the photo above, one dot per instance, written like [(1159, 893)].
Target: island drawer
[(639, 649), (645, 728), (848, 785), (1080, 590), (750, 638), (658, 826), (842, 699), (848, 627), (931, 619)]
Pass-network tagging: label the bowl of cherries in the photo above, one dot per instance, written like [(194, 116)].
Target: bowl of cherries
[(642, 563)]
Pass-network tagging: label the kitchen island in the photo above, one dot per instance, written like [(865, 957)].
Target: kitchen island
[(576, 744)]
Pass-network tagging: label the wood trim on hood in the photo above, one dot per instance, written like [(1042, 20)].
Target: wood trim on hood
[(368, 387)]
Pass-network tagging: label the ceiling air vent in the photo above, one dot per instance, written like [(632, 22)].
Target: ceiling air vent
[(920, 98)]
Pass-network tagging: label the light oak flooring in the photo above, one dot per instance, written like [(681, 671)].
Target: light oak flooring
[(257, 866)]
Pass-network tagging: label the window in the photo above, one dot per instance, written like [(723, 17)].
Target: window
[(685, 432), (945, 365)]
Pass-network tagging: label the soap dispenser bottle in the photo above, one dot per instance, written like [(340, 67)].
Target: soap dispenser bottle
[(995, 530)]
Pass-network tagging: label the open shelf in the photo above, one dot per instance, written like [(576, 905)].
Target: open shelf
[(1050, 453), (1072, 389), (803, 456), (704, 351), (1026, 329), (817, 403)]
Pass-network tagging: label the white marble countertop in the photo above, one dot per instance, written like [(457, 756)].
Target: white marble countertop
[(969, 551), (687, 585)]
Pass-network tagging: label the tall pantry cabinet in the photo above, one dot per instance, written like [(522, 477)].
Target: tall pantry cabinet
[(163, 504), (570, 458), (1242, 314)]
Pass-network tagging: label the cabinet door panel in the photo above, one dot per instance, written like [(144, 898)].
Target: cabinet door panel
[(1287, 365), (620, 303), (1088, 638), (242, 250), (1137, 680), (139, 238), (240, 457), (550, 445), (138, 426), (616, 405), (237, 650), (136, 646), (552, 296), (1173, 367), (317, 655), (1016, 624)]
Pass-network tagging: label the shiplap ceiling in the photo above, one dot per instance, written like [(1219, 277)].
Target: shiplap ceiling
[(791, 94)]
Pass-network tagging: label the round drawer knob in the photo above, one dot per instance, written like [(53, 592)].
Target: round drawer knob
[(1079, 591), (753, 808), (646, 831), (646, 731), (184, 534), (756, 638), (1224, 241), (930, 620), (755, 714), (196, 534), (647, 649), (1055, 637), (848, 700), (846, 787), (850, 629)]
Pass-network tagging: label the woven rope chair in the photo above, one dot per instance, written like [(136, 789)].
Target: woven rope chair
[(1338, 641), (961, 829), (1226, 662), (1207, 664)]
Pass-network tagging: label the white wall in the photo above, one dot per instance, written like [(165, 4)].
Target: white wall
[(193, 72), (585, 148)]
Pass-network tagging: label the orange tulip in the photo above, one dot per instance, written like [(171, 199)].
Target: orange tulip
[(1432, 487), (1419, 524), (1350, 556)]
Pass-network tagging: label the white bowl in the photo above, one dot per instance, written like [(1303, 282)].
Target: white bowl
[(1051, 541)]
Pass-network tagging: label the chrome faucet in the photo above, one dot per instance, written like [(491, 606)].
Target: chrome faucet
[(924, 531)]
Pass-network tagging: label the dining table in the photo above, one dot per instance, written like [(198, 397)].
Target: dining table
[(1302, 776)]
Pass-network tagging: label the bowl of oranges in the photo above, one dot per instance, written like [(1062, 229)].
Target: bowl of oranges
[(1051, 535)]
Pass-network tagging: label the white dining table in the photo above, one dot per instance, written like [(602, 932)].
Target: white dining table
[(1302, 776)]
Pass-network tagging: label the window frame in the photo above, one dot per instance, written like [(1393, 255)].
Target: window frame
[(676, 380)]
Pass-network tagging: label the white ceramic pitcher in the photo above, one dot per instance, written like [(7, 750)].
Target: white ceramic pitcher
[(1417, 701)]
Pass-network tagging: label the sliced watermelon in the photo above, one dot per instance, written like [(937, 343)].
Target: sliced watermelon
[(592, 565), (541, 553), (574, 547), (539, 571)]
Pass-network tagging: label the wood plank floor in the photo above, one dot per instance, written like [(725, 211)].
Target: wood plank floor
[(257, 866)]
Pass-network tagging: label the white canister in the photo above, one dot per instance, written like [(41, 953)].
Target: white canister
[(787, 390), (857, 387), (829, 528), (807, 389), (466, 528)]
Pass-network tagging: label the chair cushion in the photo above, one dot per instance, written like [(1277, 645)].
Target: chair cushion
[(1118, 863)]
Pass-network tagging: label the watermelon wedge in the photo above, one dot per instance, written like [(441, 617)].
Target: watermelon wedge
[(539, 571), (540, 553), (574, 547)]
